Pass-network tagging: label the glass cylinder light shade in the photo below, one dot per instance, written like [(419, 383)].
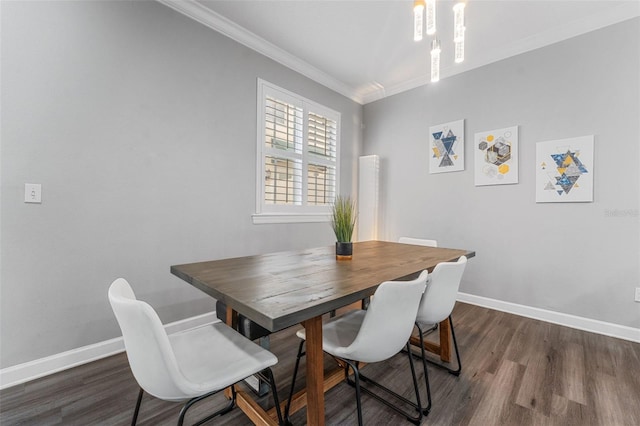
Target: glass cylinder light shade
[(459, 51), (458, 22), (431, 16), (435, 60), (458, 31), (418, 11)]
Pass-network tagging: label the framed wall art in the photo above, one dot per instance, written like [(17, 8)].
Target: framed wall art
[(446, 147), (564, 170), (496, 157)]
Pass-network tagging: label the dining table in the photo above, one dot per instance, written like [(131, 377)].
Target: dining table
[(283, 289)]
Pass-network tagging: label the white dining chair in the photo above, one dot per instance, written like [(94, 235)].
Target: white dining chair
[(426, 243), (374, 335), (418, 241), (188, 366), (436, 305)]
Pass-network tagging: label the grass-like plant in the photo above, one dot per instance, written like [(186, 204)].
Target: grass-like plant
[(343, 218)]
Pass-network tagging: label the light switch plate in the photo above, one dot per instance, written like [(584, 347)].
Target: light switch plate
[(32, 193)]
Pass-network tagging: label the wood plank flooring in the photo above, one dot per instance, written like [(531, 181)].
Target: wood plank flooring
[(516, 371)]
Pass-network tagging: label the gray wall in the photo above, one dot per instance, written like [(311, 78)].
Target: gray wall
[(579, 259), (140, 125)]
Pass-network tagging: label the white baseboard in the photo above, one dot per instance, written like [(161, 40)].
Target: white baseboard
[(32, 370), (567, 320)]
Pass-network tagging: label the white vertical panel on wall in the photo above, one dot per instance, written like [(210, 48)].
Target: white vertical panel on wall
[(368, 171)]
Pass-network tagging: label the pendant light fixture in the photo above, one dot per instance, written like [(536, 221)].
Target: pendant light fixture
[(424, 15), (435, 60), (430, 11), (458, 31), (418, 12)]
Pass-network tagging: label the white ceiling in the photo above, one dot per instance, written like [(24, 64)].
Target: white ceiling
[(364, 49)]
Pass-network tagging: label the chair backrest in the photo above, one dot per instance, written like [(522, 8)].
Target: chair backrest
[(389, 320), (151, 357), (440, 296), (418, 241)]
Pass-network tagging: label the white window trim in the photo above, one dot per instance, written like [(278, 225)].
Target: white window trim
[(279, 213), (263, 218)]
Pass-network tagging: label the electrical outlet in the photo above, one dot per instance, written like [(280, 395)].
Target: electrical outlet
[(637, 294)]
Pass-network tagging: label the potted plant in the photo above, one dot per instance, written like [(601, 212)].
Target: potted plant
[(343, 221)]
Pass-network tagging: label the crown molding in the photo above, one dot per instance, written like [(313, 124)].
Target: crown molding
[(375, 90), (228, 28), (387, 91)]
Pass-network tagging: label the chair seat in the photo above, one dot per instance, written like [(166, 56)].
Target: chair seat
[(203, 352), (338, 333)]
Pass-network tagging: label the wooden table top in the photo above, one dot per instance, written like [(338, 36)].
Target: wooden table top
[(278, 290)]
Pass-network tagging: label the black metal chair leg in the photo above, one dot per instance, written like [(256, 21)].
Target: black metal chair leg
[(426, 373), (415, 388), (434, 328), (455, 345), (356, 376), (293, 381), (356, 383), (455, 372), (220, 412), (137, 410), (416, 405), (267, 375)]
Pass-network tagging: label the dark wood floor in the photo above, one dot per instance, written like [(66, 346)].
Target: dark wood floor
[(516, 371)]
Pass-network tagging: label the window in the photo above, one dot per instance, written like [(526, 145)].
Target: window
[(297, 151)]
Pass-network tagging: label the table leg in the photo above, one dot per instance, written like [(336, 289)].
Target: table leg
[(315, 372), (231, 320), (445, 341)]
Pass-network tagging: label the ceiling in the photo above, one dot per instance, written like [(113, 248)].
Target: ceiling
[(364, 49)]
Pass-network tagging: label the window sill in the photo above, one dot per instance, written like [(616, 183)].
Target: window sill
[(264, 218)]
